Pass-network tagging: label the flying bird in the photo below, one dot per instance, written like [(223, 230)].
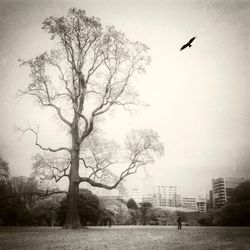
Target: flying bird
[(188, 44)]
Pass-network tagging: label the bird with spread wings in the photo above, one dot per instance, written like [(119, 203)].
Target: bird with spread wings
[(188, 44)]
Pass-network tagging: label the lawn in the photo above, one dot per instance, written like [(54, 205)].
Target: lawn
[(126, 237)]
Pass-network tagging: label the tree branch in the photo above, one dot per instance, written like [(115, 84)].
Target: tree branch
[(48, 193), (41, 147), (109, 187)]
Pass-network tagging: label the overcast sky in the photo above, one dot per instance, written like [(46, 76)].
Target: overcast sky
[(199, 98)]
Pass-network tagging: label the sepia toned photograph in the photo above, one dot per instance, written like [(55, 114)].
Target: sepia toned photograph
[(125, 124)]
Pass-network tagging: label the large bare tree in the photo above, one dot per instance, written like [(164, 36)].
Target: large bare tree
[(88, 73)]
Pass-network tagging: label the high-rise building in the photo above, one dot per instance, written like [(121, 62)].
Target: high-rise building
[(165, 196), (222, 189)]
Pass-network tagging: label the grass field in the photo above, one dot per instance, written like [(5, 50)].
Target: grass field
[(126, 237)]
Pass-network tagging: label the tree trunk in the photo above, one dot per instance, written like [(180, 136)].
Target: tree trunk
[(72, 218)]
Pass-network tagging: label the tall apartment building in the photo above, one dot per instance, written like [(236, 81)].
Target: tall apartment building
[(222, 189), (189, 202), (165, 196)]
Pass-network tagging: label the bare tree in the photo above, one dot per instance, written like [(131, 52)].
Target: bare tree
[(90, 72)]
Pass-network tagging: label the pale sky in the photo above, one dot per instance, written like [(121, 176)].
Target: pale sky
[(199, 98)]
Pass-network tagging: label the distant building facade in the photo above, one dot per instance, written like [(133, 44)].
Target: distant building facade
[(136, 195), (222, 189), (201, 205), (148, 198), (165, 196), (109, 197), (189, 202), (209, 202)]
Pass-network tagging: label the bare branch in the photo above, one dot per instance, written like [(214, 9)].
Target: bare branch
[(62, 78), (59, 112), (124, 174), (48, 193), (41, 147)]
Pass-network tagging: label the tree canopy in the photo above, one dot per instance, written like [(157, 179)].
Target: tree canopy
[(241, 193)]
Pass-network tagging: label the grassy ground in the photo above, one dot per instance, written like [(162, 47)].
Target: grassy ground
[(126, 237)]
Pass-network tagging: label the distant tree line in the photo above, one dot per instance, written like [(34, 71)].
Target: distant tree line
[(21, 204)]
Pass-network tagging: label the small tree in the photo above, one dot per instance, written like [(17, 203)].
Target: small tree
[(115, 211), (131, 204), (89, 73), (145, 206)]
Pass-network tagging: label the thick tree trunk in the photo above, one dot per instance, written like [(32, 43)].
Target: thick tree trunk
[(72, 219)]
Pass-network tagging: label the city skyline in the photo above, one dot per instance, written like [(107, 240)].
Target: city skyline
[(138, 194)]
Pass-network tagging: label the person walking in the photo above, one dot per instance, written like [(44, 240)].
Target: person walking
[(179, 222), (109, 222)]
